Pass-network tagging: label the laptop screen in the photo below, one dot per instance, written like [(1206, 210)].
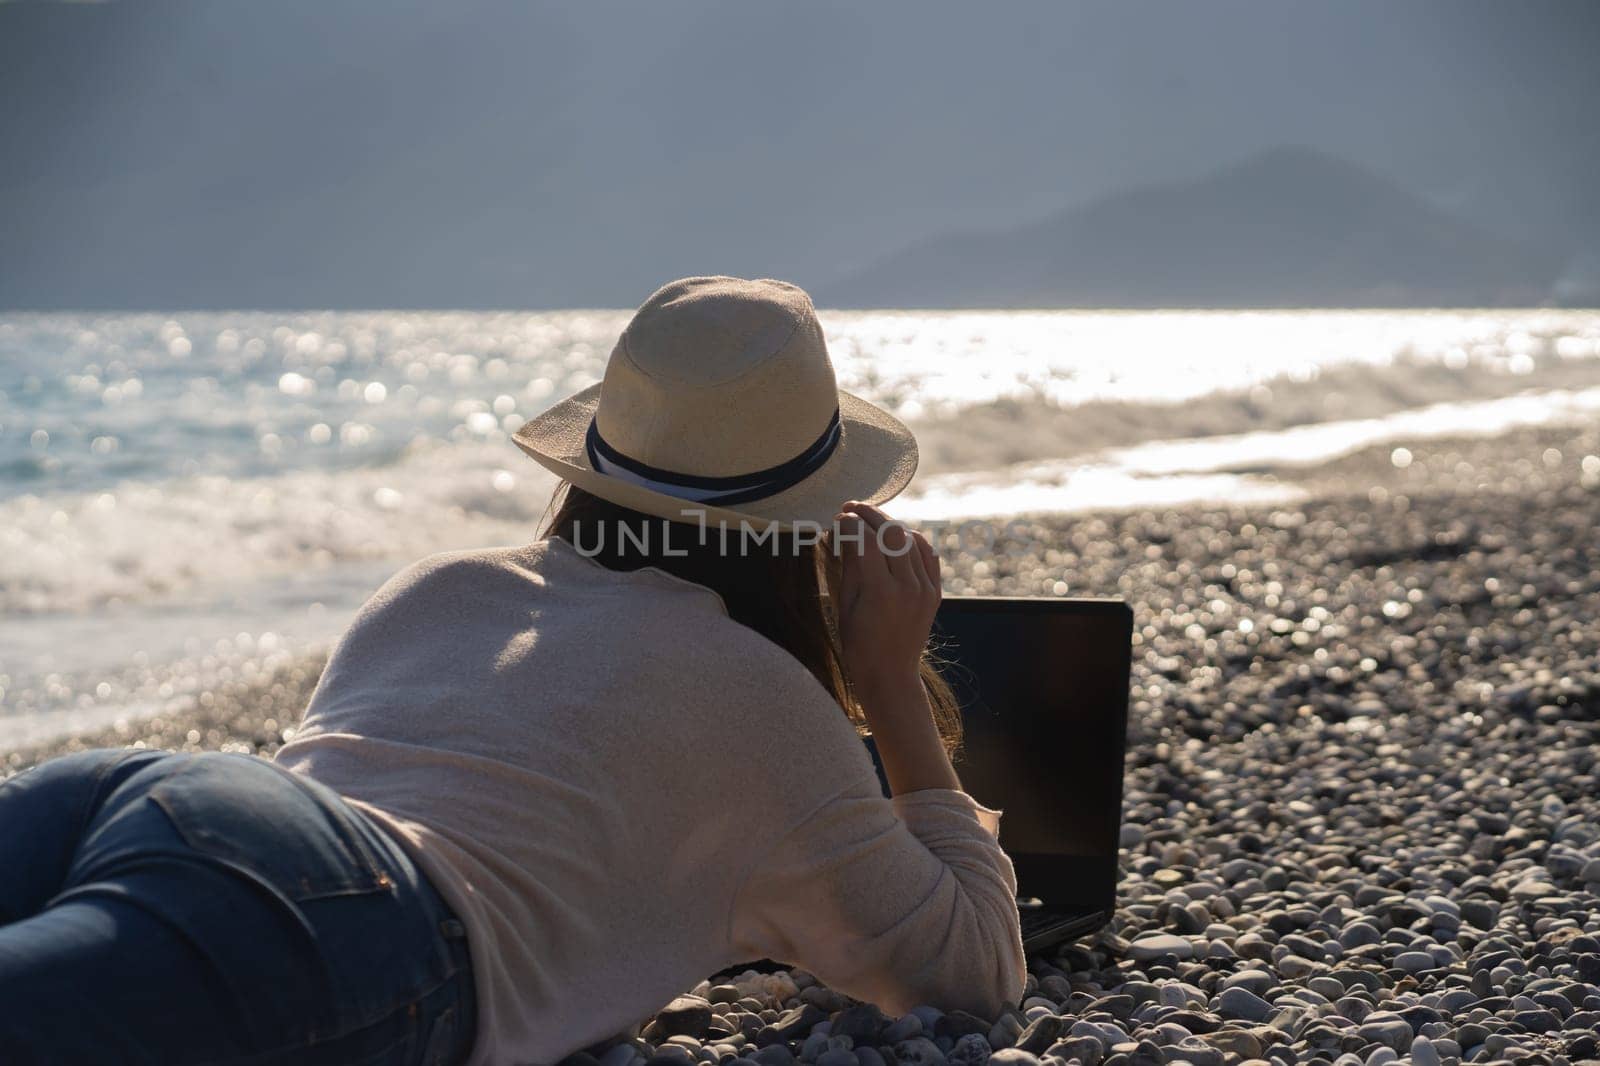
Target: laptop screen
[(1043, 688)]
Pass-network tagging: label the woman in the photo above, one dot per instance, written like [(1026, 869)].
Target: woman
[(540, 791)]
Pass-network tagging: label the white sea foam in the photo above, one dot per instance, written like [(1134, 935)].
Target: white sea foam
[(1239, 468), (176, 539)]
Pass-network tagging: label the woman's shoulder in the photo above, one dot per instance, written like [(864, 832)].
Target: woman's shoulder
[(471, 569), (450, 572)]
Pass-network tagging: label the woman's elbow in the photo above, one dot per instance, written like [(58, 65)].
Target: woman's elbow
[(998, 985), (985, 995), (1006, 965), (983, 976)]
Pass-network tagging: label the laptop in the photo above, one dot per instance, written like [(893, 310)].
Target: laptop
[(1043, 689)]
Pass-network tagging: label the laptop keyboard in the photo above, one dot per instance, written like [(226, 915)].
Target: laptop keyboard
[(1035, 922)]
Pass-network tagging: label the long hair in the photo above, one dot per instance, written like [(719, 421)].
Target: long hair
[(785, 593)]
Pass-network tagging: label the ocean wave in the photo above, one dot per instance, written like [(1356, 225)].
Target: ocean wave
[(1011, 430), (1260, 466), (174, 538), (185, 537), (259, 446)]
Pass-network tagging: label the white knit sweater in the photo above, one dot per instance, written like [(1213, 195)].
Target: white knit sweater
[(621, 790)]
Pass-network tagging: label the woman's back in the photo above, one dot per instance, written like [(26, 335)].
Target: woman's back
[(531, 717)]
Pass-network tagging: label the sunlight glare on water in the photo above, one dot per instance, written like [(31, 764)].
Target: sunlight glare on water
[(167, 476)]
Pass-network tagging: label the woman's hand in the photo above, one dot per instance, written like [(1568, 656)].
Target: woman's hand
[(889, 591)]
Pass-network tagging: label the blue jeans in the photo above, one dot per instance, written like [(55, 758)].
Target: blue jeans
[(178, 909)]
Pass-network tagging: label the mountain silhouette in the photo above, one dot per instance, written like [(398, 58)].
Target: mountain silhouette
[(1290, 227), (479, 154)]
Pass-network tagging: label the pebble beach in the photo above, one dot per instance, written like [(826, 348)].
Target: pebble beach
[(1362, 821)]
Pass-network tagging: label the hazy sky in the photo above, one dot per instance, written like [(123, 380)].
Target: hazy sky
[(474, 154)]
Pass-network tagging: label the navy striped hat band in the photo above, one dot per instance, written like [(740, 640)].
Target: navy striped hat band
[(715, 491)]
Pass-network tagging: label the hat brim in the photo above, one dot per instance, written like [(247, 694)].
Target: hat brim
[(873, 461)]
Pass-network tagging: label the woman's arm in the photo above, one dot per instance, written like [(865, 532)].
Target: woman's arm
[(905, 902), (896, 903), (889, 594)]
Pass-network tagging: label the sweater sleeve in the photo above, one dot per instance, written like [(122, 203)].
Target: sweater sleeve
[(897, 902)]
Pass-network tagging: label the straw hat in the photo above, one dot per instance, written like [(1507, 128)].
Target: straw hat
[(719, 404)]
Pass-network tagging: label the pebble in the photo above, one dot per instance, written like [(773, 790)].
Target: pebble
[(1005, 1031), (1489, 822), (1253, 980), (970, 1050), (792, 1023), (1240, 1002), (1160, 945), (918, 1051), (1535, 889), (1537, 1021), (1423, 1052), (1414, 961), (902, 1028), (1387, 1029), (861, 1023), (1086, 1049), (684, 1016), (1013, 1057), (1293, 966), (1239, 1042), (1041, 1033)]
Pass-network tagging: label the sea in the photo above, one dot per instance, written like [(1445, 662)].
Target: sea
[(192, 498)]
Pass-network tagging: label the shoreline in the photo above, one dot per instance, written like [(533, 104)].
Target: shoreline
[(1436, 474)]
